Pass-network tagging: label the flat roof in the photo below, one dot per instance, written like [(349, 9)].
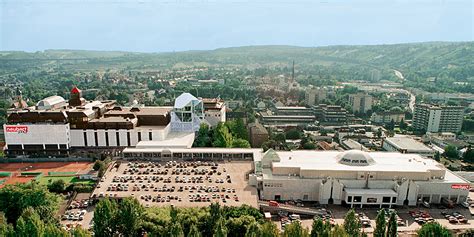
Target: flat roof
[(408, 143), (329, 160), (178, 140)]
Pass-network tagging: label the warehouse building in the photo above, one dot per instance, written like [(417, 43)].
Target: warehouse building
[(55, 126), (406, 144), (356, 178)]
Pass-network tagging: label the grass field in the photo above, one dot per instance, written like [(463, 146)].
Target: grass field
[(67, 179)]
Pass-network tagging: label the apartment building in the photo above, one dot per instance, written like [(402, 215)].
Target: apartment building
[(360, 103), (435, 118)]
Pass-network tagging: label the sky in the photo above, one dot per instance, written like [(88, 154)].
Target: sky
[(178, 25)]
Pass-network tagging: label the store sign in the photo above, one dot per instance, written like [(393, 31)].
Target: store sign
[(17, 129), (461, 186)]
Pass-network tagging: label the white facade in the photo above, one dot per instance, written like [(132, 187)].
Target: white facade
[(432, 118), (117, 137), (37, 134), (357, 178), (187, 114)]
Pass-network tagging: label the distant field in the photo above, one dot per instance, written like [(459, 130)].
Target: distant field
[(68, 179)]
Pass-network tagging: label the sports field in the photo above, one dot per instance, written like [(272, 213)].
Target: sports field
[(25, 172)]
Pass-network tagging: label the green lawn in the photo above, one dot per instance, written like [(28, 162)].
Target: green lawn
[(67, 179)]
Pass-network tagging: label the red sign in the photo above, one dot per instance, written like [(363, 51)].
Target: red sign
[(461, 186), (17, 129)]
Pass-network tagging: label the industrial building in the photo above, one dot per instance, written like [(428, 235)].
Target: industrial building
[(54, 126), (406, 144), (356, 178), (434, 118)]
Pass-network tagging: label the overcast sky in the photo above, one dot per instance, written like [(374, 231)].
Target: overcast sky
[(159, 25)]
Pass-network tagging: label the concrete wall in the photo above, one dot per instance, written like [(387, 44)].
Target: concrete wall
[(36, 134)]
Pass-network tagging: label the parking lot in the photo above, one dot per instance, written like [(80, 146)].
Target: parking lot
[(79, 212), (182, 184)]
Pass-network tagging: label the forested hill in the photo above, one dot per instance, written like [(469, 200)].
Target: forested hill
[(445, 62)]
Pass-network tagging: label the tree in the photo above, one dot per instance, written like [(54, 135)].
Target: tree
[(176, 230), (352, 224), (293, 134), (203, 138), (238, 129), (128, 216), (433, 229), (220, 230), (80, 232), (380, 224), (57, 186), (392, 225), (339, 232), (437, 156), (29, 224), (320, 228), (469, 155), (98, 164), (269, 229), (104, 218), (52, 230), (194, 231), (451, 152), (253, 230), (15, 198), (240, 143), (239, 225), (5, 228), (403, 125), (222, 137), (295, 230)]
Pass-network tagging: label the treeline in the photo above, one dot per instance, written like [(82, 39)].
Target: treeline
[(29, 210), (228, 134)]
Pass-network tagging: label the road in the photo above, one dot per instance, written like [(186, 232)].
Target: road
[(411, 105)]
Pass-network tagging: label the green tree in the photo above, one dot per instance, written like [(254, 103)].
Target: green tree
[(194, 231), (433, 229), (352, 224), (29, 224), (295, 230), (222, 137), (253, 230), (269, 229), (176, 230), (320, 228), (80, 232), (238, 129), (220, 230), (392, 225), (128, 216), (403, 125), (240, 143), (380, 224), (469, 155), (98, 164), (57, 186), (451, 152), (293, 134), (238, 226), (339, 231), (52, 230), (203, 138), (104, 218), (15, 198), (5, 228)]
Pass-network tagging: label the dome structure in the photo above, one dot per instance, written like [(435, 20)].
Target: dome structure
[(355, 158)]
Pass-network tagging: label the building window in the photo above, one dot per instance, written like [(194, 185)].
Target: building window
[(394, 199), (139, 136), (96, 139), (349, 199), (85, 138), (371, 200), (128, 139), (150, 136), (386, 199), (305, 197), (357, 198), (117, 137), (107, 138)]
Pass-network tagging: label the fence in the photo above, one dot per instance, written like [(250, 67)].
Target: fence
[(45, 159)]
